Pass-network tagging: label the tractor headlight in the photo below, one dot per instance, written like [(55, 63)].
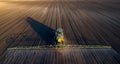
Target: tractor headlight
[(60, 40)]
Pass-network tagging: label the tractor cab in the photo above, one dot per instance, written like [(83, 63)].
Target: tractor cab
[(59, 37)]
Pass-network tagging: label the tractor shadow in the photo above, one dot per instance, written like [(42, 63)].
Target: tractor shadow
[(45, 32)]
